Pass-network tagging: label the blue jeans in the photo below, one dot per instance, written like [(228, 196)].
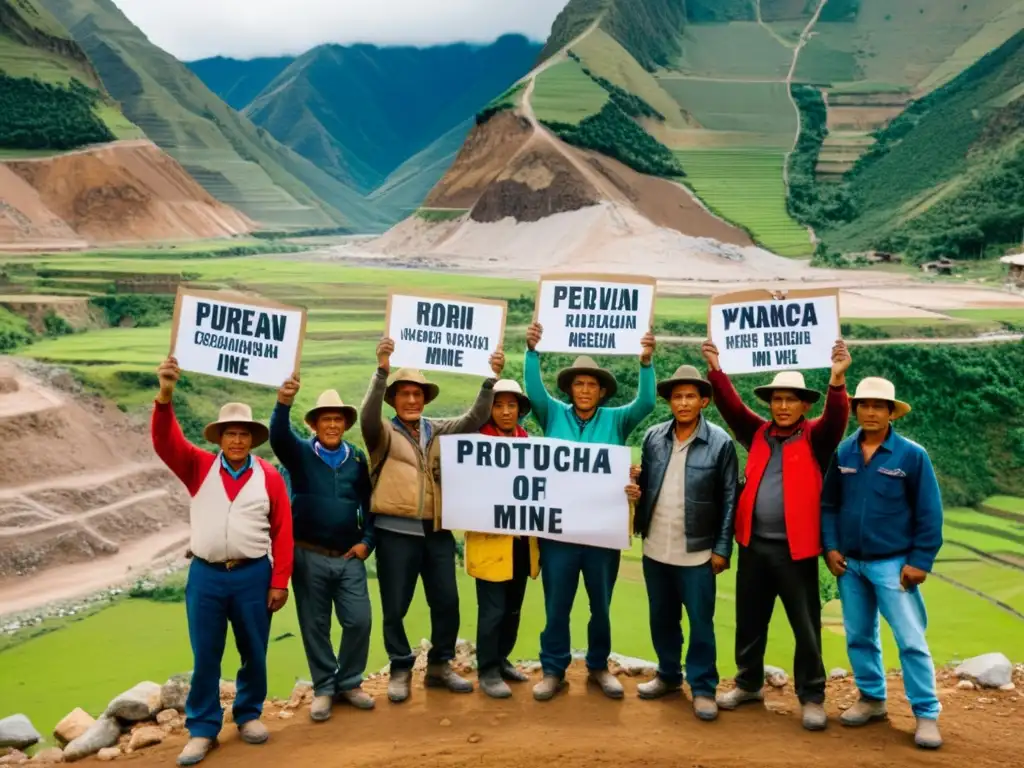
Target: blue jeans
[(670, 588), (872, 587), (561, 565), (214, 597)]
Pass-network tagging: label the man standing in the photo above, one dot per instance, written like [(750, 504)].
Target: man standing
[(687, 486), (405, 464), (500, 564), (882, 529), (778, 523), (241, 547), (586, 420), (333, 529)]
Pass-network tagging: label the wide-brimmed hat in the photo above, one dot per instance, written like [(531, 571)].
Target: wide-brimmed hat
[(236, 413), (792, 380), (585, 366), (330, 400), (510, 386), (410, 376), (876, 388), (685, 374)]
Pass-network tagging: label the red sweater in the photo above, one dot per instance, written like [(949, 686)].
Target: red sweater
[(192, 465)]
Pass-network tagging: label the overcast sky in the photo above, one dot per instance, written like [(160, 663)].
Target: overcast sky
[(195, 29)]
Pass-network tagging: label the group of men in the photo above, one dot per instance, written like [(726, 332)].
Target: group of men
[(870, 504)]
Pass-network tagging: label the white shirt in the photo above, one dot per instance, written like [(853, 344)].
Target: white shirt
[(666, 540)]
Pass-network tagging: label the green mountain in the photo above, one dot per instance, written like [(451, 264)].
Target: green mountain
[(234, 160), (238, 82)]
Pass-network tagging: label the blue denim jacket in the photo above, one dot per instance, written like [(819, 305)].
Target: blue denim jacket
[(887, 508)]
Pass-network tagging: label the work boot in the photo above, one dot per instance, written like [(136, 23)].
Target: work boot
[(320, 709), (609, 683), (863, 712), (442, 675), (656, 688), (492, 684), (705, 707), (737, 696), (253, 732), (357, 697), (195, 750), (814, 716), (548, 687), (398, 685), (513, 675), (927, 735)]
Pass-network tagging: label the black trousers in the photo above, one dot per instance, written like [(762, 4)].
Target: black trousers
[(766, 571), (401, 561), (499, 605)]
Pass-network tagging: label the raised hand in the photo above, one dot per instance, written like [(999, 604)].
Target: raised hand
[(840, 362), (533, 335), (498, 362), (710, 352), (168, 372), (286, 394), (385, 349), (647, 343)]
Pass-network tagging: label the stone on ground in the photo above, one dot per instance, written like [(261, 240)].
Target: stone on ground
[(166, 716), (17, 731), (102, 734), (990, 670), (174, 693), (108, 753), (838, 674), (141, 702), (75, 723), (49, 755), (775, 677), (14, 757), (146, 736)]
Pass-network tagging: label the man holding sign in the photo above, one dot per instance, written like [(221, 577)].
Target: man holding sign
[(586, 420), (406, 502), (778, 522)]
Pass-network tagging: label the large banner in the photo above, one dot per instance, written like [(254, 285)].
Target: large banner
[(756, 332), (594, 314), (538, 486), (237, 337), (444, 333)]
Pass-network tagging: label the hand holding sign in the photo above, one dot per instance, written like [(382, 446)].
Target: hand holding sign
[(710, 352), (533, 335), (385, 348), (498, 362), (647, 344), (633, 492), (840, 363), (168, 372), (286, 394)]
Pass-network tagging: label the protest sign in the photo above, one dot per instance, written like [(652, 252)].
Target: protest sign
[(538, 486), (237, 337), (756, 332), (594, 314), (444, 333)]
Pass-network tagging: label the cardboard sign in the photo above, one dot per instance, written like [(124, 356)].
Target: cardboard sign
[(538, 486), (755, 332), (594, 314), (237, 337), (436, 332)]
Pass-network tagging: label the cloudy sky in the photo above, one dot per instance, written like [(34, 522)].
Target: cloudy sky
[(194, 29)]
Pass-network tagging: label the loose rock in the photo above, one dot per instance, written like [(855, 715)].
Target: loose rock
[(17, 731), (75, 723), (227, 690), (14, 757), (838, 674), (473, 738), (141, 702), (1008, 687), (108, 753), (49, 755), (102, 734), (775, 677), (166, 716), (285, 714), (146, 736), (990, 670), (445, 722), (174, 693), (966, 685)]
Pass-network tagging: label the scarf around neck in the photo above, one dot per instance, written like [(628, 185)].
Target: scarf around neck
[(490, 429)]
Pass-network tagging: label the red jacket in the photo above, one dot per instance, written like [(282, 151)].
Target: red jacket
[(803, 463), (192, 464)]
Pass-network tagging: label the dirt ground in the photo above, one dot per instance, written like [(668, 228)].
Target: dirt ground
[(582, 728)]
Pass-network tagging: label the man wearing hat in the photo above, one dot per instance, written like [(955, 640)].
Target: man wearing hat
[(778, 522), (687, 486), (333, 529), (586, 419), (405, 467), (501, 564), (882, 529), (241, 547)]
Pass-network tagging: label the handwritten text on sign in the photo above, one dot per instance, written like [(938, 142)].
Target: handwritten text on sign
[(586, 314), (236, 340), (442, 334), (552, 489), (775, 334)]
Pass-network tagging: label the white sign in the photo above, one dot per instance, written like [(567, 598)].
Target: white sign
[(538, 486), (237, 337), (755, 332), (445, 333), (594, 314)]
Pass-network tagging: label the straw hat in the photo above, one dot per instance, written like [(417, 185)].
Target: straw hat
[(330, 400), (585, 366), (685, 374), (793, 380), (876, 388), (410, 376), (509, 386), (236, 413)]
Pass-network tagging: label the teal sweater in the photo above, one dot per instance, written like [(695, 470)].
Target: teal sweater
[(611, 426)]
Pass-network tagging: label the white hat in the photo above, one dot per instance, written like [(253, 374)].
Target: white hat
[(330, 400), (793, 380), (510, 386), (236, 413), (876, 388)]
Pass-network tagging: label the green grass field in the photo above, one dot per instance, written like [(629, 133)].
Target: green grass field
[(761, 108), (733, 50), (745, 186), (563, 94), (1007, 504)]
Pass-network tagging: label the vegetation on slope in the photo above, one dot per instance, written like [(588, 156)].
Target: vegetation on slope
[(648, 29), (506, 100), (37, 115), (720, 10), (571, 22), (238, 82)]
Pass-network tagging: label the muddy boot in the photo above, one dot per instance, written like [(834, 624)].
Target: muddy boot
[(195, 751), (357, 697), (927, 735), (705, 708), (492, 685), (863, 712), (737, 696), (510, 673), (656, 688), (320, 709), (548, 687), (607, 682), (253, 732), (398, 686), (814, 717), (443, 676)]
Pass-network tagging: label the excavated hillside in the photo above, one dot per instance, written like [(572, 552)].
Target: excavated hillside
[(129, 191)]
